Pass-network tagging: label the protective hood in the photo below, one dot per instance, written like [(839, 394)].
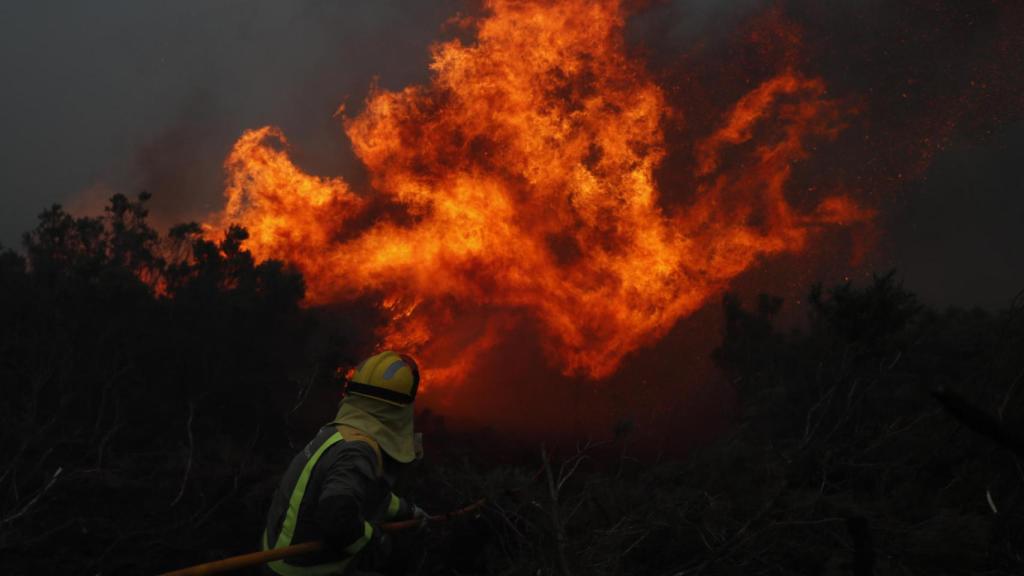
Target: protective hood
[(390, 425)]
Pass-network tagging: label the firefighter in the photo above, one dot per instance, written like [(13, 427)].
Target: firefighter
[(338, 489)]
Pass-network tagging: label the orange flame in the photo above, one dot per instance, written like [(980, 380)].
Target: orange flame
[(519, 185)]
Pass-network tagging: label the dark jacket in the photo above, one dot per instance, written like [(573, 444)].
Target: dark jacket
[(339, 494)]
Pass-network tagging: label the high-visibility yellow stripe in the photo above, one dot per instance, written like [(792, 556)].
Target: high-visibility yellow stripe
[(284, 538), (354, 548), (394, 506), (285, 569)]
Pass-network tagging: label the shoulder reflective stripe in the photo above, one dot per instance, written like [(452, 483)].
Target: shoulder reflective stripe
[(284, 538), (394, 506), (354, 548)]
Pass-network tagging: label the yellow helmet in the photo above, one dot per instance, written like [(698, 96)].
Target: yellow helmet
[(388, 377)]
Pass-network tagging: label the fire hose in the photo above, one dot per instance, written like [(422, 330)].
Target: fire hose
[(256, 558)]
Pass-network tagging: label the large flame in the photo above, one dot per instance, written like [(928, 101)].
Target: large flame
[(518, 185)]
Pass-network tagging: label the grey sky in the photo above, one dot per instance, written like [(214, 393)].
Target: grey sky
[(98, 93)]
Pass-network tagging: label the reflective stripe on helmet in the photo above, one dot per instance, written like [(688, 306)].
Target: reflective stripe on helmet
[(387, 376)]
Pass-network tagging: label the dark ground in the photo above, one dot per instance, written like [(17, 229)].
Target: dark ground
[(144, 431)]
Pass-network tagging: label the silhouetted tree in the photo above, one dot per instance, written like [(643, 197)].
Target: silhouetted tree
[(146, 385)]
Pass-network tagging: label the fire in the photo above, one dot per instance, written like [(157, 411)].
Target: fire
[(518, 186)]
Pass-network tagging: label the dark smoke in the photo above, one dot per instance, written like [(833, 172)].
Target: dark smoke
[(934, 143), (113, 95)]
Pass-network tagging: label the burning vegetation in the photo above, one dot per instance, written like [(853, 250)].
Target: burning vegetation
[(145, 432), (519, 186)]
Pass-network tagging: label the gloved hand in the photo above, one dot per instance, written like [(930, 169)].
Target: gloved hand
[(421, 516)]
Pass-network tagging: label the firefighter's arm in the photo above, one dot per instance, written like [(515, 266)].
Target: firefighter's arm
[(403, 509), (339, 511)]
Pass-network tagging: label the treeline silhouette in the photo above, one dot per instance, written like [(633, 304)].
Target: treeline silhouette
[(153, 391), (146, 384)]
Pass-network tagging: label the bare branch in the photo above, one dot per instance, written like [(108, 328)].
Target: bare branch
[(556, 522), (32, 502), (191, 447)]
